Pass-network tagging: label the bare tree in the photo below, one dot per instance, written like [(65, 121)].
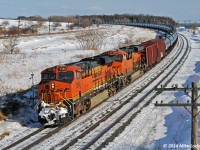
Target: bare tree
[(13, 30), (10, 44), (57, 24), (5, 23), (39, 24), (2, 31), (90, 39)]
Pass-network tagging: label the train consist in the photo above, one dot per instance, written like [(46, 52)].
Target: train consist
[(66, 91)]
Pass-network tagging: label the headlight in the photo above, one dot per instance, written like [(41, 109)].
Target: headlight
[(52, 85)]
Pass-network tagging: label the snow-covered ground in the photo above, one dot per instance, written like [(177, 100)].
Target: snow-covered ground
[(38, 53), (60, 27), (164, 126)]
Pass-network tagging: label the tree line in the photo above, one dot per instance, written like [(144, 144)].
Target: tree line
[(87, 20)]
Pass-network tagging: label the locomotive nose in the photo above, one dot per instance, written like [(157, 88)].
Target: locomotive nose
[(50, 85), (46, 87)]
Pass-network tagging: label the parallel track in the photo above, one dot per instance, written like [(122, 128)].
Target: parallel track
[(24, 138), (75, 143), (46, 136), (149, 96), (42, 136), (74, 140)]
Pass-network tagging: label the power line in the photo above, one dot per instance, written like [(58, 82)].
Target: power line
[(194, 109)]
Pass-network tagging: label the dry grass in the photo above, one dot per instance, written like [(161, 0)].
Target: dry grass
[(81, 56), (4, 135), (6, 57), (23, 55), (131, 41), (70, 38), (2, 116), (141, 39), (4, 90), (127, 42), (90, 39), (42, 47), (13, 74)]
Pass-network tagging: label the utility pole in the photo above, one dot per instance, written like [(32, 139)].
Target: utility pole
[(194, 107), (194, 132), (19, 19), (89, 20), (33, 96), (79, 21), (49, 24)]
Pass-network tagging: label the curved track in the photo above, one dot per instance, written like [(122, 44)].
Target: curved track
[(87, 126), (116, 127), (82, 127), (131, 109)]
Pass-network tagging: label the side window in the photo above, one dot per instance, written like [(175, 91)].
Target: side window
[(125, 56), (109, 64), (130, 56), (78, 75)]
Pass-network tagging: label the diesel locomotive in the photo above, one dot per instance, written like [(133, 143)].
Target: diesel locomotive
[(68, 90)]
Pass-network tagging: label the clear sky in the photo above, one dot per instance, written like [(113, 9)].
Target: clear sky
[(177, 9)]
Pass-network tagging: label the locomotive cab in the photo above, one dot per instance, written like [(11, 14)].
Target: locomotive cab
[(56, 100)]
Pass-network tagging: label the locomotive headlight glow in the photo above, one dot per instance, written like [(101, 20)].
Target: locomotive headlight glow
[(52, 85)]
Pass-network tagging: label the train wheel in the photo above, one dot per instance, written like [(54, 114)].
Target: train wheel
[(112, 91), (70, 117), (41, 120), (128, 80), (88, 104), (64, 120)]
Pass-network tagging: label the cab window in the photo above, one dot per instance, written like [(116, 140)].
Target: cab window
[(65, 75), (48, 76)]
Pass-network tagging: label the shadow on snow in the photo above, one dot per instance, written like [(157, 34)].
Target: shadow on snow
[(19, 107), (178, 123)]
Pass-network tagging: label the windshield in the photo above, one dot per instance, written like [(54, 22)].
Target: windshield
[(67, 76), (48, 76)]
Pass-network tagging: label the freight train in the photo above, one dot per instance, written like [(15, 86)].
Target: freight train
[(67, 91)]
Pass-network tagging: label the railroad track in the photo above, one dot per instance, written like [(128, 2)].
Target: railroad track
[(85, 140), (115, 103), (27, 133), (108, 134), (24, 138), (80, 128), (42, 133), (36, 136)]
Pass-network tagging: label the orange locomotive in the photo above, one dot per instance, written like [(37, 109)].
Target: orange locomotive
[(67, 91)]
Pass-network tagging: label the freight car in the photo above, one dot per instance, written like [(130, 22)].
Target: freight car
[(66, 91)]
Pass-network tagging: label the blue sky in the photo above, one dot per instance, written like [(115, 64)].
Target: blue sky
[(180, 10)]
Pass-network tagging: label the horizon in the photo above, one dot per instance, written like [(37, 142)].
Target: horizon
[(181, 10), (182, 22)]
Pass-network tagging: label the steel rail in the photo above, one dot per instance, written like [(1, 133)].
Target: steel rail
[(71, 143)]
